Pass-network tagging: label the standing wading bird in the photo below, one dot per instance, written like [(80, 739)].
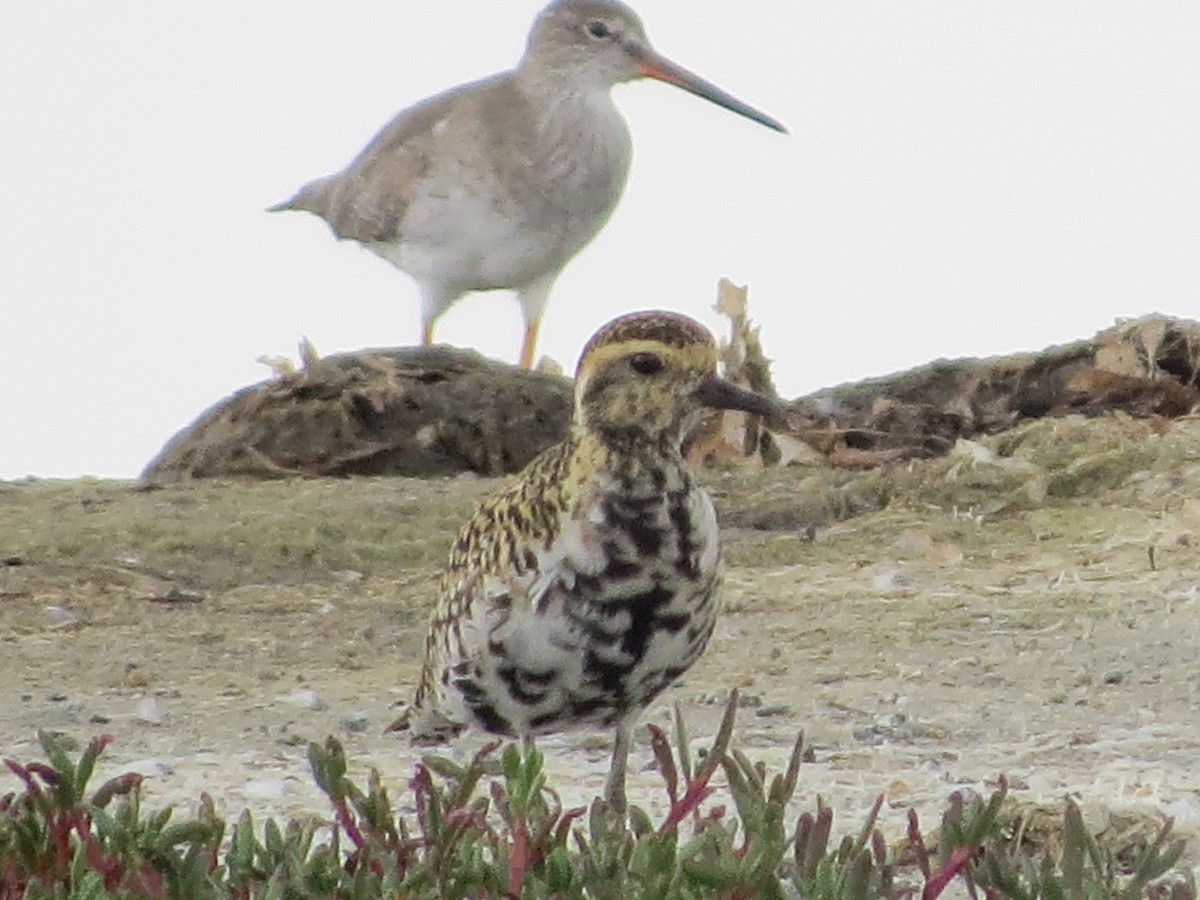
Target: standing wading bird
[(497, 184), (576, 595)]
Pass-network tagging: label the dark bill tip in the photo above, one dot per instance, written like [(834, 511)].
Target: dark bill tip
[(653, 65), (720, 394)]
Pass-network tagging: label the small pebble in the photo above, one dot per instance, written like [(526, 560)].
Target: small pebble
[(712, 699), (272, 789), (700, 747), (150, 710), (891, 580), (889, 721), (309, 699), (1114, 677), (175, 594), (356, 722), (883, 728), (773, 709), (60, 617)]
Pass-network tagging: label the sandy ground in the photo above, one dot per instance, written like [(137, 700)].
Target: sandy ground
[(922, 648)]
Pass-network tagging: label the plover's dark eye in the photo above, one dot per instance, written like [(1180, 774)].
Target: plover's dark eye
[(598, 29), (646, 363)]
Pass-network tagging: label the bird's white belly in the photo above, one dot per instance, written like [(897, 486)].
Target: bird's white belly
[(464, 243), (467, 230), (609, 624)]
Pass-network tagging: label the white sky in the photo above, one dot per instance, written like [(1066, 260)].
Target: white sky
[(962, 178)]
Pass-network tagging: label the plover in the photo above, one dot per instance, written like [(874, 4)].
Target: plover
[(578, 593)]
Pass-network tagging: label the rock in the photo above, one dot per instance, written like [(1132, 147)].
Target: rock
[(60, 617), (309, 699), (772, 710), (265, 789), (150, 710), (891, 580)]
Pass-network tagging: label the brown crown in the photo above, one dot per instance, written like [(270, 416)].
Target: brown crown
[(668, 328)]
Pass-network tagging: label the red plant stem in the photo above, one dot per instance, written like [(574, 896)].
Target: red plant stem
[(422, 786), (110, 869), (32, 788), (518, 860), (697, 792), (347, 822), (957, 862), (917, 844), (60, 831), (563, 828)]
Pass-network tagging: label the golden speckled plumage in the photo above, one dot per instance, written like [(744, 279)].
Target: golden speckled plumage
[(586, 586), (497, 538)]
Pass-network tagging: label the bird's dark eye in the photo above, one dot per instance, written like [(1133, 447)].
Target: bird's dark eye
[(646, 363), (598, 29)]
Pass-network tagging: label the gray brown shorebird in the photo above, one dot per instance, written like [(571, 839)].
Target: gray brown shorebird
[(497, 184), (577, 594)]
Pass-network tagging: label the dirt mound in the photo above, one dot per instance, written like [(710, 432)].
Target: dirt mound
[(409, 411), (429, 411), (1144, 367)]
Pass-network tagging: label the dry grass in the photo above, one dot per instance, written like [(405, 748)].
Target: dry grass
[(214, 535)]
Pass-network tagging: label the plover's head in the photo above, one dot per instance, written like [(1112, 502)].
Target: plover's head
[(651, 376)]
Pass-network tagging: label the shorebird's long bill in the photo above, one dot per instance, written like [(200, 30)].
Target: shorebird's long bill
[(652, 65), (720, 394)]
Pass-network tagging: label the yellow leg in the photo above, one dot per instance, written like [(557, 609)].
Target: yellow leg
[(529, 345), (427, 333)]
